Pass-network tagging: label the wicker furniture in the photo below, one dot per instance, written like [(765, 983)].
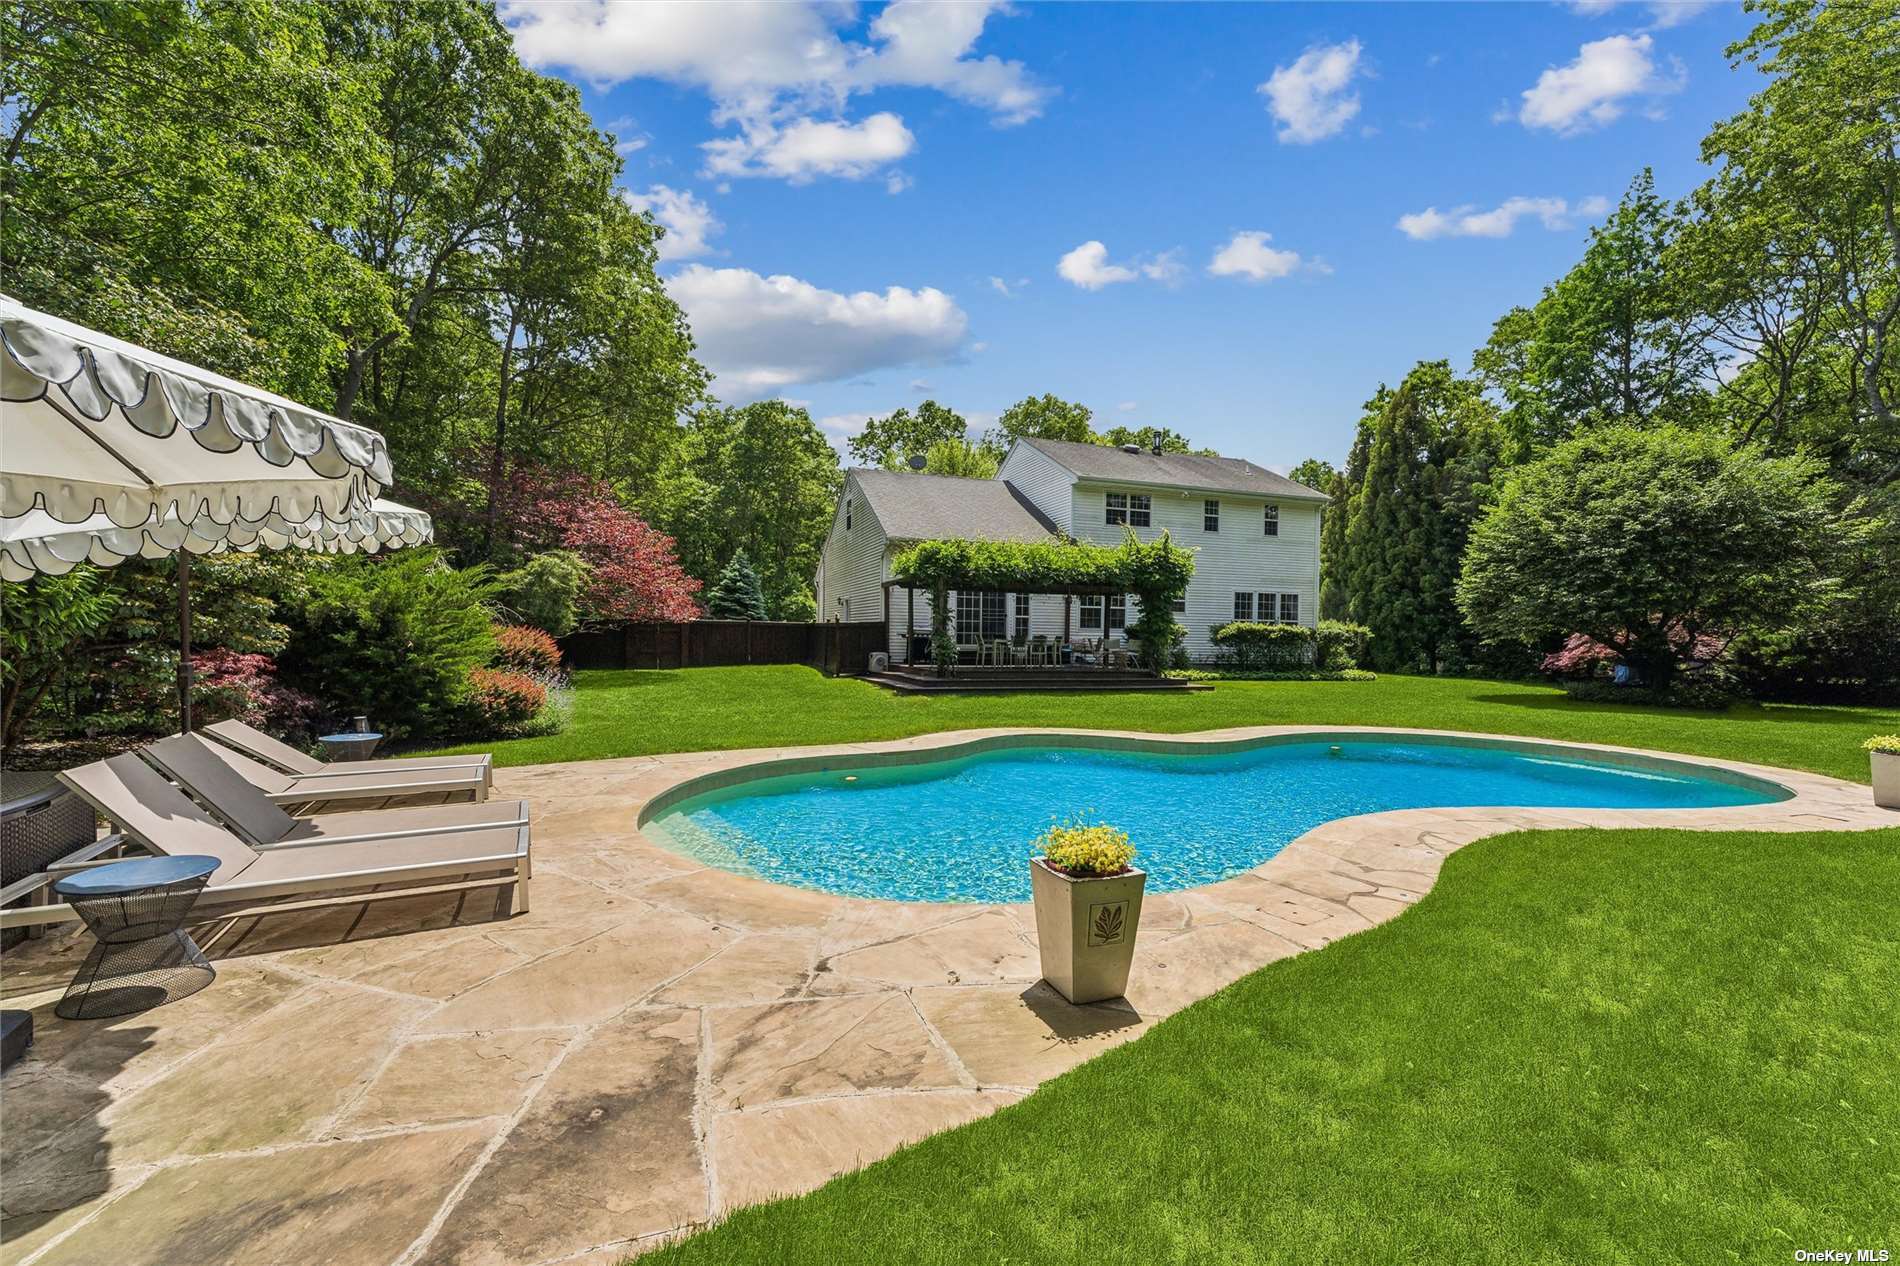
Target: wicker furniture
[(143, 957)]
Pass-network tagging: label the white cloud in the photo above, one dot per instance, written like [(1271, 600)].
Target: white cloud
[(919, 384), (1165, 268), (896, 182), (1087, 266), (1310, 97), (1591, 91), (779, 69), (1008, 289), (1126, 406), (1663, 14), (1499, 221), (688, 222), (1248, 255), (760, 334), (806, 148)]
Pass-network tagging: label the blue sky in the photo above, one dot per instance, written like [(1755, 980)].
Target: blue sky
[(1235, 220)]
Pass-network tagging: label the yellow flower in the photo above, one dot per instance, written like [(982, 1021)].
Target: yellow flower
[(1078, 848)]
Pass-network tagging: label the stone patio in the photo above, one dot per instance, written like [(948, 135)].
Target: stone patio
[(656, 1043)]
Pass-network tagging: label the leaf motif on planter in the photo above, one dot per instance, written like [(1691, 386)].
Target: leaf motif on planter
[(1108, 923)]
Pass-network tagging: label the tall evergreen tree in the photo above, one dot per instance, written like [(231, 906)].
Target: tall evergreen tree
[(736, 594), (1429, 454)]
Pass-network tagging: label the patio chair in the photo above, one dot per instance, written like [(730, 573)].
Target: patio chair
[(453, 782), (158, 816), (260, 823), (258, 745)]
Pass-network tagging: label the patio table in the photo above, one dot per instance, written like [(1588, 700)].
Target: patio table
[(349, 745), (143, 957)]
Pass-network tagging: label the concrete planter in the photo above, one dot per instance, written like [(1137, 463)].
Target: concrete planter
[(1085, 929), (1886, 782)]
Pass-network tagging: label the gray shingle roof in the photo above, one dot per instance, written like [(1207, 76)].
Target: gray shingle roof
[(913, 507), (1178, 470)]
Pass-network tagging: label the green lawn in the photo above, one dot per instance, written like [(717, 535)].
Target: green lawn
[(639, 712), (1580, 1046)]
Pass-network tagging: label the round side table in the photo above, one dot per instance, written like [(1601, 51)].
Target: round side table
[(143, 958), (350, 745)]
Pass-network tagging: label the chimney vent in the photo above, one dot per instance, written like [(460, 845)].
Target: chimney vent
[(1131, 448), (1157, 450)]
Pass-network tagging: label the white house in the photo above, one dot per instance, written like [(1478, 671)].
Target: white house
[(1255, 535)]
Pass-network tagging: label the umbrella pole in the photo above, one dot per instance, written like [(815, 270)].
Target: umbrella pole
[(184, 641)]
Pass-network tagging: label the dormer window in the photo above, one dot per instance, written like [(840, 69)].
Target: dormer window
[(1134, 509), (1273, 521)]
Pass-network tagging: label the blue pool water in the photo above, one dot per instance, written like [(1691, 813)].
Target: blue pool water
[(960, 829)]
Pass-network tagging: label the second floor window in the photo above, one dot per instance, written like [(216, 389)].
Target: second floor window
[(847, 514), (1273, 521), (1210, 516), (1131, 508)]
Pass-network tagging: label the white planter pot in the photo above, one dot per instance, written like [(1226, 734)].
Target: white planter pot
[(1085, 929), (1886, 779)]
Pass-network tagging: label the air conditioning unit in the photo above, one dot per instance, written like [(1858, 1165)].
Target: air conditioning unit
[(880, 662)]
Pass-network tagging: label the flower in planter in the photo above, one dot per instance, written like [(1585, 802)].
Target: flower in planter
[(1889, 743), (1082, 850)]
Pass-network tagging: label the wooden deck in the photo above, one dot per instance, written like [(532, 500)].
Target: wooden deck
[(971, 679)]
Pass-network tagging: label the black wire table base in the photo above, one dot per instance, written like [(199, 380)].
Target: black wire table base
[(120, 977)]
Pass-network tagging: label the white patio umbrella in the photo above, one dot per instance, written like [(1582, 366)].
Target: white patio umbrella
[(109, 450)]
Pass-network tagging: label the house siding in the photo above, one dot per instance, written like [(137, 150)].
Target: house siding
[(852, 564), (1047, 483), (1239, 557)]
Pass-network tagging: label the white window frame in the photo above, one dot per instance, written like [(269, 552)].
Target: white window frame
[(1117, 612), (1115, 507), (1091, 614), (1140, 510), (847, 514), (1019, 626), (1270, 522), (1243, 606), (1210, 515), (1289, 608)]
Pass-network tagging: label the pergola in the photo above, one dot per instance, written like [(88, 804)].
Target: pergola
[(911, 587)]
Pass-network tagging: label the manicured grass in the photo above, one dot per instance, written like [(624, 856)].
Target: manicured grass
[(638, 712), (1580, 1046)]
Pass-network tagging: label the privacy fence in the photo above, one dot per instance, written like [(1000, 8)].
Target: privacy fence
[(833, 648)]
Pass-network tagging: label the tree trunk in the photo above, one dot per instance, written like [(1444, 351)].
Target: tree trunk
[(497, 462)]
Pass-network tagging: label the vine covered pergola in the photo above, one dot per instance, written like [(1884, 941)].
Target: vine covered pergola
[(1156, 572)]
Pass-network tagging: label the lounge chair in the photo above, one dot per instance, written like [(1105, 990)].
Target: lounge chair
[(190, 761), (258, 745), (370, 782), (151, 812)]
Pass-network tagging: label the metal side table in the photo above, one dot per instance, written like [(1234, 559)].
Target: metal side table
[(143, 959)]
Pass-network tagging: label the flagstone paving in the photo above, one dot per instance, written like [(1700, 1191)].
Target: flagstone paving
[(423, 1081)]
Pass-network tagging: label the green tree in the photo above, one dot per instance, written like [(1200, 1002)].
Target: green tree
[(961, 459), (1429, 454), (735, 595), (1610, 344), (1044, 417), (761, 478), (890, 442), (1147, 437), (44, 622), (171, 172), (1649, 539), (1315, 473)]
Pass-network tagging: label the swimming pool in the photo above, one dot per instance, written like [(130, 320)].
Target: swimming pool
[(959, 828)]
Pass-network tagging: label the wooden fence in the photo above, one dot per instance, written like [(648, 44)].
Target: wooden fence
[(833, 648)]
